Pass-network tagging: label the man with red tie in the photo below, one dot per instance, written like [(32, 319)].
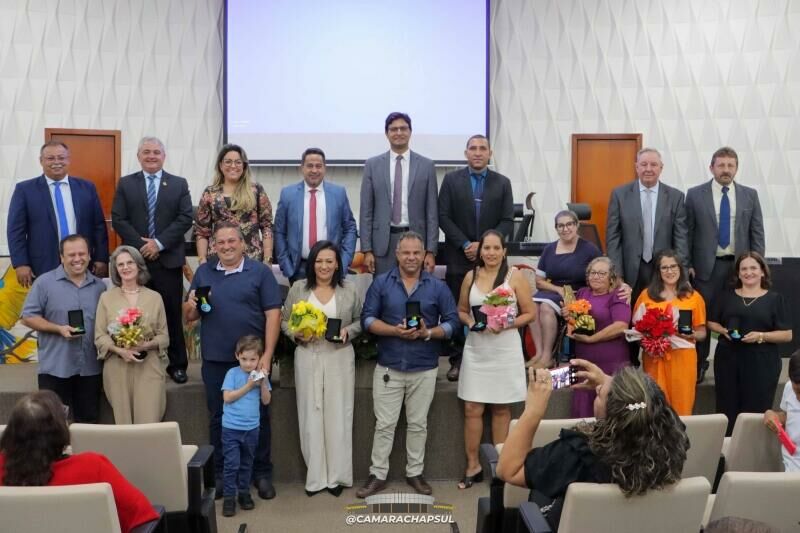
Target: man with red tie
[(311, 211)]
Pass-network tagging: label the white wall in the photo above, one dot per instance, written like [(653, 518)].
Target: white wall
[(690, 76)]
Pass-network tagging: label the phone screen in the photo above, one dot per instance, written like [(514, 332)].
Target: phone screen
[(563, 377), (75, 320)]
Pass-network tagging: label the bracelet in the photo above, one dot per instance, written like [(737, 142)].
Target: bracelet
[(761, 338), (430, 332)]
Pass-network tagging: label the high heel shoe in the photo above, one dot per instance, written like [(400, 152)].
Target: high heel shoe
[(336, 491), (467, 481)]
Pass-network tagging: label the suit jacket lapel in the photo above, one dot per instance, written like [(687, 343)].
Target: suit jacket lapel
[(412, 170), (330, 220), (708, 203), (44, 192), (635, 199), (661, 208), (141, 186)]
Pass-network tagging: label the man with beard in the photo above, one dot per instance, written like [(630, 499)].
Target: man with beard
[(724, 219)]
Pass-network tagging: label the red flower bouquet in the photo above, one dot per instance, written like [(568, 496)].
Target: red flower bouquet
[(656, 326)]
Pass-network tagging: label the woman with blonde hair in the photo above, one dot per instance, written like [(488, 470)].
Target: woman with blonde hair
[(236, 197)]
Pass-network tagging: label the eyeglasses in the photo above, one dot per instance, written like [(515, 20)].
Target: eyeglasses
[(233, 162), (399, 129), (567, 225), (597, 274), (53, 159), (667, 268)]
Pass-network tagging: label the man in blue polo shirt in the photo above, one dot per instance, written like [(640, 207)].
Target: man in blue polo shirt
[(245, 300), (408, 358)]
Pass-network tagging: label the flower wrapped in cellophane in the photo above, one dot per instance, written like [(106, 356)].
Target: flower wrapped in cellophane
[(657, 329), (129, 329), (307, 320), (500, 308), (580, 321)]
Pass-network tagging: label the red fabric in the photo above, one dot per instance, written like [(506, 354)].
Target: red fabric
[(312, 219), (133, 508)]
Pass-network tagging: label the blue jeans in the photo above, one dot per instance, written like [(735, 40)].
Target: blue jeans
[(238, 449)]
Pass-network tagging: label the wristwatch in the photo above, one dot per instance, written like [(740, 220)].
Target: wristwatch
[(430, 332)]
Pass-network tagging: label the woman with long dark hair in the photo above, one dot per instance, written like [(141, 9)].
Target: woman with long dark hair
[(676, 371), (32, 455), (493, 368), (325, 372), (637, 442), (751, 321)]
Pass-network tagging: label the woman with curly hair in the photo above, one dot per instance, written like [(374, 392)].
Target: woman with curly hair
[(637, 442), (32, 455)]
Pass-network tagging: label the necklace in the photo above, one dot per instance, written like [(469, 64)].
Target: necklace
[(131, 291), (752, 301)]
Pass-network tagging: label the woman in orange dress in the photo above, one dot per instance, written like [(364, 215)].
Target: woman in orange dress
[(676, 371)]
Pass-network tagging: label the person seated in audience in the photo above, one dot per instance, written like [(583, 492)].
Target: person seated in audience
[(637, 442), (734, 524), (789, 414), (606, 347), (242, 389), (32, 454)]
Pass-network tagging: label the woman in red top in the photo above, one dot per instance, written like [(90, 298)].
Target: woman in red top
[(32, 454)]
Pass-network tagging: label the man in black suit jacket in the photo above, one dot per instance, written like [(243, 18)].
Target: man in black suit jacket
[(159, 236), (472, 200), (710, 263)]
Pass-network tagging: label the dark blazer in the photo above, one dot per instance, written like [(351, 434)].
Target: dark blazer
[(173, 215), (32, 230), (287, 229), (701, 219), (625, 229), (457, 214), (376, 203)]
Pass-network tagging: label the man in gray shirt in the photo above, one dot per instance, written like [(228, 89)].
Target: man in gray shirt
[(68, 362)]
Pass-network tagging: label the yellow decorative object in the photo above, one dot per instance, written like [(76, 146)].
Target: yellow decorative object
[(307, 320), (13, 349)]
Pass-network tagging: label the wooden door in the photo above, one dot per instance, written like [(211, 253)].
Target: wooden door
[(601, 162), (95, 155)]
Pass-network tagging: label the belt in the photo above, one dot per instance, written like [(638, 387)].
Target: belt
[(725, 257), (398, 229)]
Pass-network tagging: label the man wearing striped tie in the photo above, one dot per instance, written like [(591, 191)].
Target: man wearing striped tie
[(45, 209), (152, 212)]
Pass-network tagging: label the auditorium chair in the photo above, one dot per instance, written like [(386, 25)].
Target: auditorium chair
[(66, 509), (752, 447), (706, 434), (603, 508), (151, 456), (769, 497)]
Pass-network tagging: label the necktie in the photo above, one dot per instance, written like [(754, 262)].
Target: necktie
[(647, 219), (477, 194), (724, 219), (397, 196), (312, 218), (151, 206), (63, 226)]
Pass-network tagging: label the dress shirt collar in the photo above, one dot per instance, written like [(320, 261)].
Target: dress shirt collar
[(319, 188), (654, 188), (716, 186), (482, 174), (64, 180), (158, 174), (393, 155), (236, 270)]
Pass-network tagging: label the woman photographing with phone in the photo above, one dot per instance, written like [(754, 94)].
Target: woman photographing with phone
[(324, 370), (493, 367)]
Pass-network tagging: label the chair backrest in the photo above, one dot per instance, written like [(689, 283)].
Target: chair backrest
[(602, 508), (66, 509), (546, 433), (2, 429), (753, 447), (769, 497), (148, 455), (706, 434)]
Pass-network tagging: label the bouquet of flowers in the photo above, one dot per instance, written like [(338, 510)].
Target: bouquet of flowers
[(499, 308), (129, 330), (580, 321), (307, 320), (657, 329)]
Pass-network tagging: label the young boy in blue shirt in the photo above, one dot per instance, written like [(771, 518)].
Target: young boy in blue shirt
[(241, 392)]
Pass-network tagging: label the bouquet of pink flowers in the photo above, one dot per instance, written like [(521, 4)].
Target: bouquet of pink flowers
[(500, 308), (129, 330)]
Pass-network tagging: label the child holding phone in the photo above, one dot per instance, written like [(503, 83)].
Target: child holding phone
[(788, 416)]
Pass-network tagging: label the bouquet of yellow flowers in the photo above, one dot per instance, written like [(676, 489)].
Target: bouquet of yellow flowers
[(580, 321), (307, 320), (129, 329)]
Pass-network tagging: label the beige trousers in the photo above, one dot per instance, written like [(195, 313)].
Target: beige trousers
[(137, 392)]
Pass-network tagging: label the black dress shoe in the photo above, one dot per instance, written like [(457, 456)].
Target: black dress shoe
[(311, 493), (419, 484), (229, 507), (265, 489), (336, 491), (372, 486), (246, 501), (701, 372), (452, 374), (179, 376)]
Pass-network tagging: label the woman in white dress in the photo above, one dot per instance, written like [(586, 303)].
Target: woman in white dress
[(493, 368)]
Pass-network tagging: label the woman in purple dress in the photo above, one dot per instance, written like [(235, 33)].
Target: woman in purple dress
[(612, 314), (562, 262)]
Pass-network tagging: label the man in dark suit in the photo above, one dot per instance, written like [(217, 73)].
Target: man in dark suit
[(644, 218), (46, 209), (724, 219), (398, 194), (491, 197), (152, 211), (312, 200)]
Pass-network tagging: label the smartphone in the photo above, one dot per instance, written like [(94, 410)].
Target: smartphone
[(203, 295), (564, 376), (413, 314), (333, 329), (480, 318), (685, 321), (75, 320)]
